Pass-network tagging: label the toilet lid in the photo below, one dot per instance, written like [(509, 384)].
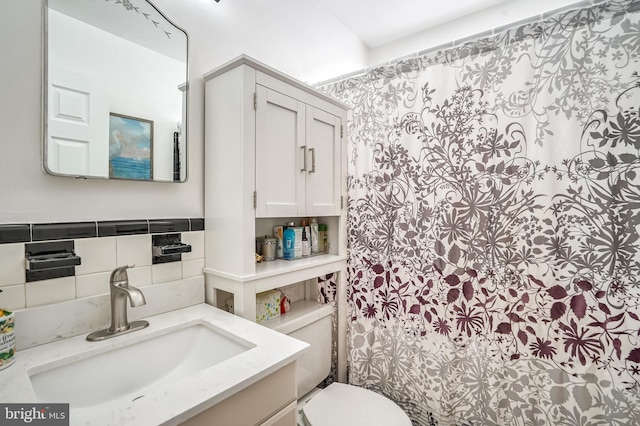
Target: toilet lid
[(345, 405)]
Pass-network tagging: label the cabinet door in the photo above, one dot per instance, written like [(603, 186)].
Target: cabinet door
[(280, 151), (323, 159)]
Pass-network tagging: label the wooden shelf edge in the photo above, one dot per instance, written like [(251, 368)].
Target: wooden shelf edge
[(279, 267)]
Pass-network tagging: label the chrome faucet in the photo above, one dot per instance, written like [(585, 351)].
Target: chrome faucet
[(120, 292)]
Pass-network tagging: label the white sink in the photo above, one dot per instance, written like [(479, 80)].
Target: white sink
[(127, 372)]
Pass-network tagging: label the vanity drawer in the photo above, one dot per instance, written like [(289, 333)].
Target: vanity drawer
[(286, 416), (270, 402)]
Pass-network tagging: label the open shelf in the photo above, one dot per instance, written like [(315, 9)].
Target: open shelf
[(302, 313), (270, 275)]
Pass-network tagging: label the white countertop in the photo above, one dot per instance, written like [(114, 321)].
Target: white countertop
[(168, 404)]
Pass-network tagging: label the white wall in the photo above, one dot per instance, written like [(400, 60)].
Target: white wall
[(27, 194), (294, 36), (309, 49)]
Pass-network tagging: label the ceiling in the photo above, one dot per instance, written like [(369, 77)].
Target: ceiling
[(377, 22)]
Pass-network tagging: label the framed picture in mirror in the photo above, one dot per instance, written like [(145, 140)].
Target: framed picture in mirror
[(130, 147)]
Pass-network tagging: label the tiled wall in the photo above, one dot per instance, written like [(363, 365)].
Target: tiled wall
[(102, 246)]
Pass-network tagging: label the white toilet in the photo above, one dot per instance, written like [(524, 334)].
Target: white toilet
[(338, 404)]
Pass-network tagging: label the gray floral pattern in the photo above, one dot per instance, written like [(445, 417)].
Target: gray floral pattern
[(327, 287), (494, 210)]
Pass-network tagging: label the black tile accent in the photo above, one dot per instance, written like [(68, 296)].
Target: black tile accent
[(51, 255), (197, 224), (171, 245), (112, 228), (19, 233), (25, 233), (166, 259), (63, 231), (168, 225), (52, 259), (49, 274)]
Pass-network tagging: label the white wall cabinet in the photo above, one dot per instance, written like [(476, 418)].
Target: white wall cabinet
[(274, 152), (298, 159)]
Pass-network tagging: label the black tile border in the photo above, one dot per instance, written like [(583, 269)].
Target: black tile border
[(26, 233), (197, 224), (157, 226), (16, 233), (63, 231), (114, 228)]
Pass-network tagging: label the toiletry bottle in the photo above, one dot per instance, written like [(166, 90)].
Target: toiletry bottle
[(297, 245), (306, 225), (322, 238), (314, 236), (278, 231), (7, 338), (288, 242), (306, 249)]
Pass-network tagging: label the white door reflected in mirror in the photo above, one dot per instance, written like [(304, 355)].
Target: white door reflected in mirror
[(116, 91)]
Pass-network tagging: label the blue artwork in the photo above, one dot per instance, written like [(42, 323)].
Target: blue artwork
[(130, 148)]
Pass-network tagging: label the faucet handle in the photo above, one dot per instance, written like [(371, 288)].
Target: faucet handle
[(120, 274)]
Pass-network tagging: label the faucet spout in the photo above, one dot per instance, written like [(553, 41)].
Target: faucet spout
[(120, 292), (135, 296)]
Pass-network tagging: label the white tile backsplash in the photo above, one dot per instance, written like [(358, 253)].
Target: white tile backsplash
[(192, 268), (97, 255), (166, 272), (196, 240), (139, 277), (44, 324), (13, 297), (92, 284), (134, 250), (50, 291), (12, 264)]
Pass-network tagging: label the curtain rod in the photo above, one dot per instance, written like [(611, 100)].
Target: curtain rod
[(461, 41)]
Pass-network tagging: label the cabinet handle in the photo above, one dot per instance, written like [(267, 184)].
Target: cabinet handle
[(313, 160), (304, 155)]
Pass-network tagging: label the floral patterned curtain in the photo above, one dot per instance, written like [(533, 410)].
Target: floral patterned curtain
[(494, 209)]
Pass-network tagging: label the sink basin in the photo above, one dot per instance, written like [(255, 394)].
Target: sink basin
[(127, 372)]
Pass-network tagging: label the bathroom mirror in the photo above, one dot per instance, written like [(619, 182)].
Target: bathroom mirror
[(115, 91)]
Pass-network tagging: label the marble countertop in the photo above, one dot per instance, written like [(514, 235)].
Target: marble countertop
[(163, 404)]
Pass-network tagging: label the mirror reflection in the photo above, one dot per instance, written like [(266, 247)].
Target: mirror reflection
[(116, 91)]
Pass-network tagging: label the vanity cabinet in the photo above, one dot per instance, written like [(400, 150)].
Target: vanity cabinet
[(269, 402), (274, 152)]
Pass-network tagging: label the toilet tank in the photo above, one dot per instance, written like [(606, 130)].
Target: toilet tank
[(315, 329)]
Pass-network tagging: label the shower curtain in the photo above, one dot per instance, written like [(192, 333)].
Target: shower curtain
[(493, 213)]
